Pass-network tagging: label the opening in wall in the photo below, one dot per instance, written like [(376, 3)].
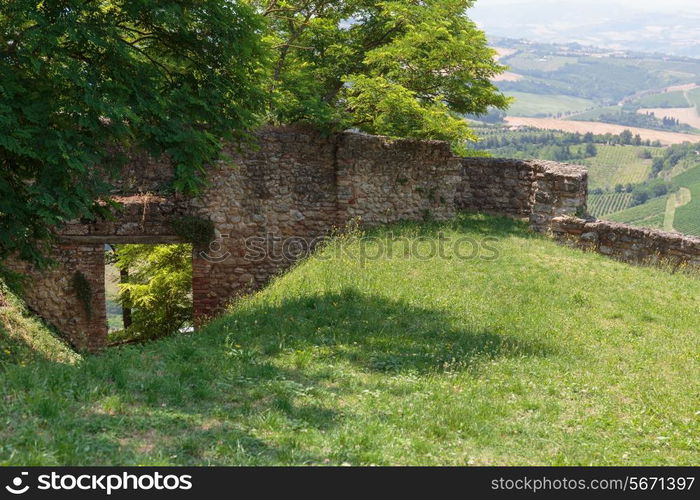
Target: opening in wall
[(148, 291)]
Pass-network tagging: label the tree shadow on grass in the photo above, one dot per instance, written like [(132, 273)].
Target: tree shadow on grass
[(238, 392), (373, 333)]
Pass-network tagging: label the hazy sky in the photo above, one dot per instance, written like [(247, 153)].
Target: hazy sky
[(666, 26), (675, 6)]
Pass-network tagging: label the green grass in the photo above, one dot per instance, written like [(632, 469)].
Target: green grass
[(619, 165), (650, 214), (526, 104), (541, 355), (694, 96), (24, 339), (595, 114), (665, 100), (687, 217)]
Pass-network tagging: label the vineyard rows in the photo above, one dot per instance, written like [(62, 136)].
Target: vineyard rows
[(600, 205)]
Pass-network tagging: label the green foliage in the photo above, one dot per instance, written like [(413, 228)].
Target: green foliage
[(399, 68), (159, 288), (195, 230), (81, 80), (83, 290)]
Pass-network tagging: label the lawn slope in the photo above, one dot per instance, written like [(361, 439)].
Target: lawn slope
[(472, 342), (24, 338)]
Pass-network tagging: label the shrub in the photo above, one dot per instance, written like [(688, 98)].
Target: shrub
[(158, 290)]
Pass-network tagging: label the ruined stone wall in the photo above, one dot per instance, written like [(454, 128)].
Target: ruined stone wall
[(496, 186), (264, 203), (52, 293), (529, 189), (271, 203), (380, 181), (627, 243)]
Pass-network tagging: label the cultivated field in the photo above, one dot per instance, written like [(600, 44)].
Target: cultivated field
[(689, 116), (601, 128), (527, 104), (675, 99), (600, 205), (679, 211), (614, 165), (650, 214), (687, 217), (675, 200), (507, 76)]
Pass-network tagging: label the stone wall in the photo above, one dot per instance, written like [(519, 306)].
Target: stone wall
[(271, 203), (383, 181), (52, 293), (534, 189), (627, 243)]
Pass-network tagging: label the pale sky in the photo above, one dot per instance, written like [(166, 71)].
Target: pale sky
[(653, 5)]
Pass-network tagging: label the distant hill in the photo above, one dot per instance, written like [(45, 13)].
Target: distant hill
[(669, 27), (591, 84)]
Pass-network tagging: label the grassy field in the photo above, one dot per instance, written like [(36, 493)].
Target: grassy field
[(687, 217), (694, 96), (651, 214), (614, 165), (665, 100), (530, 353), (526, 104), (595, 114), (674, 201)]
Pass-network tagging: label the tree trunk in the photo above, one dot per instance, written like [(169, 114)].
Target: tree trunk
[(126, 311)]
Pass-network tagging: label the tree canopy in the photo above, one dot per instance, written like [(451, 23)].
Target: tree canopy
[(80, 79), (401, 68)]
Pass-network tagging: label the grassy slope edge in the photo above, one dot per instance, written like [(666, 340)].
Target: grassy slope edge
[(24, 338), (527, 353)]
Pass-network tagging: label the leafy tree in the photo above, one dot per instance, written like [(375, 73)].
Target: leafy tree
[(660, 190), (591, 150), (640, 197), (396, 67), (657, 165), (80, 80), (626, 136), (158, 290)]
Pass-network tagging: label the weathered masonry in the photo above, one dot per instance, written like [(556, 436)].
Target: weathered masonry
[(265, 203)]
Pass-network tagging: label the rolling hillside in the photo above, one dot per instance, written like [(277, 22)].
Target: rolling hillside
[(678, 211), (622, 89)]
